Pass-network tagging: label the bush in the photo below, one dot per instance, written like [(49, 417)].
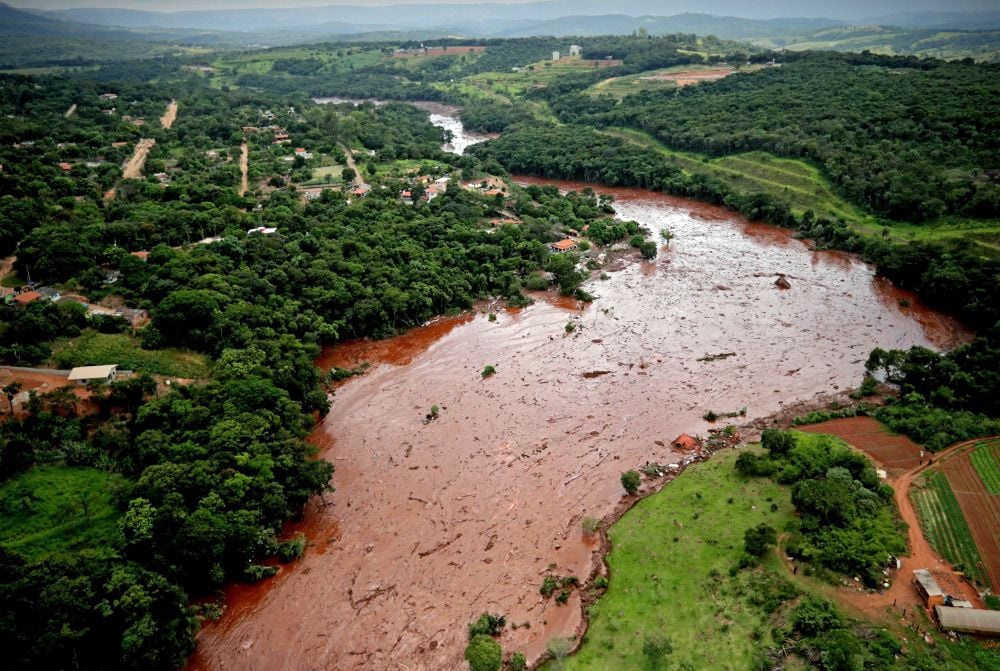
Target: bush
[(815, 615), (631, 481), (292, 549), (517, 662), (590, 525), (757, 540), (488, 371), (490, 625), (483, 654), (549, 586)]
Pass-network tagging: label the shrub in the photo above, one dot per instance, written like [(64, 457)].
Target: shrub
[(488, 371), (631, 481), (517, 662), (549, 585), (488, 624), (757, 540), (815, 615), (590, 525), (292, 549), (483, 654), (600, 582)]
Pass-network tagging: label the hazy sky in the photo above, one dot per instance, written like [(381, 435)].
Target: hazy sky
[(802, 8)]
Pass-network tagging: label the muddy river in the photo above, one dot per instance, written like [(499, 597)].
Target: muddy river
[(434, 523), (444, 116)]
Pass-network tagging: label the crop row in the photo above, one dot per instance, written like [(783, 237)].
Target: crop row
[(986, 460), (946, 527)]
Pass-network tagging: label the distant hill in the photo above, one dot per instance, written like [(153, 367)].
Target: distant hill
[(939, 20), (983, 45), (725, 27)]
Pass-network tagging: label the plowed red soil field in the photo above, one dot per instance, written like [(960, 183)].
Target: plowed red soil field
[(980, 509), (894, 452)]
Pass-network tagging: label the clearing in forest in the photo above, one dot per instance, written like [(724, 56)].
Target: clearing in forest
[(70, 111), (168, 118), (244, 166)]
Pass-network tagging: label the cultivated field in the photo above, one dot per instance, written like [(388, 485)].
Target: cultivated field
[(980, 508), (986, 460), (894, 452), (945, 526)]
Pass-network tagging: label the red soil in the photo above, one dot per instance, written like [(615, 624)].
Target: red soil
[(894, 452), (434, 523), (688, 77)]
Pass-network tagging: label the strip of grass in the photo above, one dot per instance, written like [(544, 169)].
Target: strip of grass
[(945, 526), (59, 508), (94, 349), (986, 461), (669, 572)]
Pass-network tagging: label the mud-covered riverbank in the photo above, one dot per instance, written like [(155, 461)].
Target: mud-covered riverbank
[(433, 523)]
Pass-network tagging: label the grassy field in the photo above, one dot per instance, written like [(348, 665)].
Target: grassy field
[(986, 460), (945, 526), (648, 80), (669, 572), (92, 349), (325, 175), (53, 508)]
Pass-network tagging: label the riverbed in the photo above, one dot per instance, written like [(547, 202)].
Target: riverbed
[(434, 522)]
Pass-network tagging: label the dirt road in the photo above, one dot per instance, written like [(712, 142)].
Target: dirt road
[(244, 166), (71, 111), (168, 118), (133, 167), (359, 180)]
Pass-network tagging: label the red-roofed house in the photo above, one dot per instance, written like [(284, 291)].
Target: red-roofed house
[(66, 166), (27, 297), (566, 245)]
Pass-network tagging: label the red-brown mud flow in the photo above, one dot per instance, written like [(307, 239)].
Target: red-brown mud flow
[(432, 524)]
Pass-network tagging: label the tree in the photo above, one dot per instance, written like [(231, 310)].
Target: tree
[(348, 175), (10, 391), (758, 539), (631, 481), (483, 654)]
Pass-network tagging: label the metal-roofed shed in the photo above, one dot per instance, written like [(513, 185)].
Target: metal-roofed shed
[(969, 620), (84, 374), (928, 587)]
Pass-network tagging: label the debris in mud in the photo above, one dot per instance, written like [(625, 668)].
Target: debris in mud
[(595, 373), (782, 282), (717, 357)]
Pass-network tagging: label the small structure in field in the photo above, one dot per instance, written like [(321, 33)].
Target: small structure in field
[(928, 588), (84, 374)]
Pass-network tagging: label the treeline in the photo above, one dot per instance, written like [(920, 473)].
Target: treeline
[(907, 138)]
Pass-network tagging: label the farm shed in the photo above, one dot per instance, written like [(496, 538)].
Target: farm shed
[(969, 620), (85, 374), (928, 587)]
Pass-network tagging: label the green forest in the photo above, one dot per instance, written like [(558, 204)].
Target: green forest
[(121, 510)]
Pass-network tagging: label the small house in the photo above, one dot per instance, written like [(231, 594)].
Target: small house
[(84, 374), (26, 297), (66, 166), (566, 245), (928, 588)]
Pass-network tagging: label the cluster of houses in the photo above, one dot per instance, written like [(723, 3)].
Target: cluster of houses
[(28, 295), (424, 188)]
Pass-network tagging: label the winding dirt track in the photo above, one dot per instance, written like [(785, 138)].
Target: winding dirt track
[(434, 523), (71, 111), (168, 118)]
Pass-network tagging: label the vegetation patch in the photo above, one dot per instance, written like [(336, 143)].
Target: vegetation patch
[(51, 509), (669, 566), (986, 460), (92, 349)]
